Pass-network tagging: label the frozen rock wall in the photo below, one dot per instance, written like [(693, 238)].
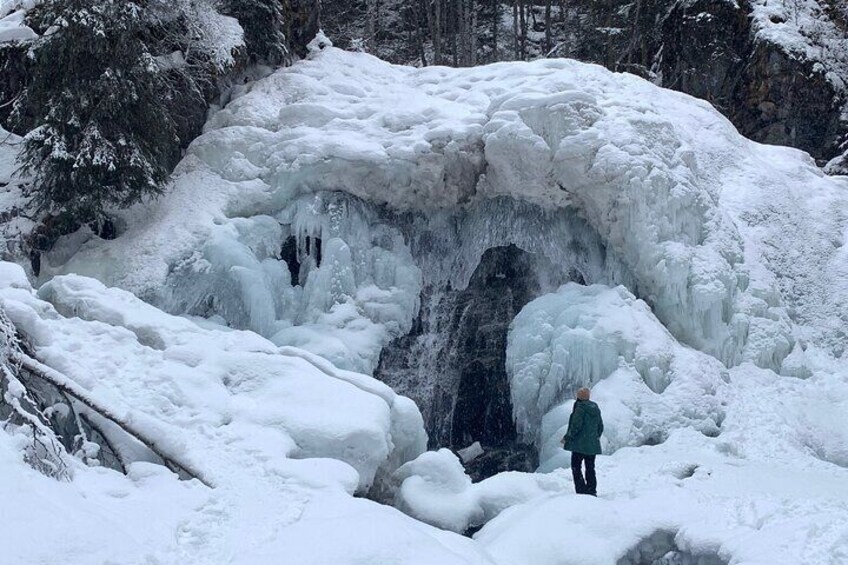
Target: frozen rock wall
[(567, 138), (480, 267)]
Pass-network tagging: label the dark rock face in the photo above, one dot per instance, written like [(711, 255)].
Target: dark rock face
[(303, 18), (709, 49), (294, 256), (659, 548), (789, 101), (461, 336), (709, 42)]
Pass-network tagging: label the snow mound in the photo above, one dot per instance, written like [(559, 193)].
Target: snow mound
[(284, 436), (606, 339), (695, 499), (322, 152), (436, 490), (186, 380)]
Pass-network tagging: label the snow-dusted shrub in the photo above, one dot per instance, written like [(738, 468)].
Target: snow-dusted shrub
[(20, 412)]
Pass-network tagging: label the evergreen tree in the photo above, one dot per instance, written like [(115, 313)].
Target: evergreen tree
[(264, 27), (105, 137)]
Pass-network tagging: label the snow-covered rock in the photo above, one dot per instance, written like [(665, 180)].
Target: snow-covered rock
[(12, 26), (435, 489), (605, 338), (187, 380)]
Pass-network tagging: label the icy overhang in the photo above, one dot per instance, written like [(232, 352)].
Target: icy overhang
[(645, 168)]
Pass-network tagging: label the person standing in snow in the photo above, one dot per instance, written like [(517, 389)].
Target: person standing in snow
[(583, 440)]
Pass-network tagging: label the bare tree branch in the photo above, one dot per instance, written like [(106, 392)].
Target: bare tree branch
[(68, 386)]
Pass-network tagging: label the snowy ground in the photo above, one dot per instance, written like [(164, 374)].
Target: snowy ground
[(768, 489), (719, 364), (285, 442)]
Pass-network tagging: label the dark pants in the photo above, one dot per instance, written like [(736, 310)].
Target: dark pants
[(589, 485)]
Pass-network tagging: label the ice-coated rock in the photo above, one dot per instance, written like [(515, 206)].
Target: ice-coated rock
[(637, 164), (181, 377), (605, 338)]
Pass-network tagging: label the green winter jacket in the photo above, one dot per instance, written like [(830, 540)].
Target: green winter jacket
[(585, 427)]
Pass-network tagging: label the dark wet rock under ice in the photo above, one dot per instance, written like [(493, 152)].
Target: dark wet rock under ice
[(461, 336), (660, 548)]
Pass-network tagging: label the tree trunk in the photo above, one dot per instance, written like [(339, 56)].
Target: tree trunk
[(419, 32), (472, 33), (496, 17), (371, 25), (522, 14), (515, 48), (548, 42), (461, 33), (71, 388), (437, 32)]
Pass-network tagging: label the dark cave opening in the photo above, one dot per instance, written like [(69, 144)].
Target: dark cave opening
[(294, 256), (453, 363)]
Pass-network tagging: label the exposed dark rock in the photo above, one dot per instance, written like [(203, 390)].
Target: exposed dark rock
[(660, 548), (513, 457), (461, 336), (289, 254), (303, 17), (788, 101), (295, 256)]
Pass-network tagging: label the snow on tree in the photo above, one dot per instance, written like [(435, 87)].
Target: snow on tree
[(105, 136), (132, 88), (264, 27)]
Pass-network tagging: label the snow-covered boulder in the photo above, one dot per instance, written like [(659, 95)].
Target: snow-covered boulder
[(182, 379), (13, 26), (435, 489)]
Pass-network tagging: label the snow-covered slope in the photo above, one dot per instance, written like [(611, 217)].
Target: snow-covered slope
[(709, 318), (284, 438)]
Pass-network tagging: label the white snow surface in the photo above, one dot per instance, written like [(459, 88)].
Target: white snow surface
[(284, 437), (435, 489), (719, 365)]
